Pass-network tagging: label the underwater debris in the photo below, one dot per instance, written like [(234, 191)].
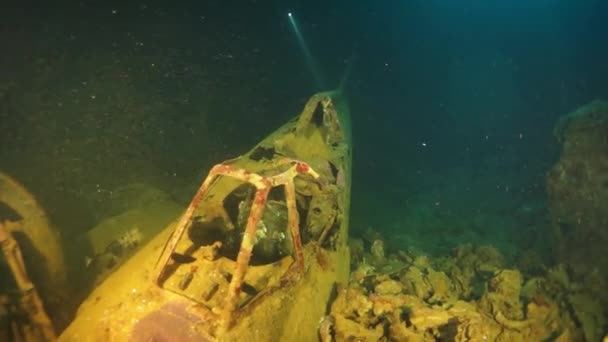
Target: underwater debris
[(32, 265), (377, 252), (471, 296), (502, 296), (28, 305)]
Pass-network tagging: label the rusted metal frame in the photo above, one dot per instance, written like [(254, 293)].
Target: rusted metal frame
[(183, 224), (245, 252), (294, 226), (286, 179), (30, 299), (263, 185)]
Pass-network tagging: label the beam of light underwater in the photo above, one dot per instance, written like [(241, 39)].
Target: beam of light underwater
[(307, 55)]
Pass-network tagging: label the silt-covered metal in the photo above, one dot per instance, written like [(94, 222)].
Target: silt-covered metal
[(257, 253)]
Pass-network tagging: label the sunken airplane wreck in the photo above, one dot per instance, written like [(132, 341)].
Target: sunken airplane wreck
[(256, 254)]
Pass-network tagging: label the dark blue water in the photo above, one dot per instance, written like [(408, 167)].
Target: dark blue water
[(453, 103)]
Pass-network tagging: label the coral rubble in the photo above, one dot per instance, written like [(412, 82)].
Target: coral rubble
[(471, 296)]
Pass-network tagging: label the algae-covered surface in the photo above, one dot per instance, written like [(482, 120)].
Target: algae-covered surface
[(479, 166)]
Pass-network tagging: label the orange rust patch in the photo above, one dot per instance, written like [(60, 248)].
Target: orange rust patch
[(302, 168)]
